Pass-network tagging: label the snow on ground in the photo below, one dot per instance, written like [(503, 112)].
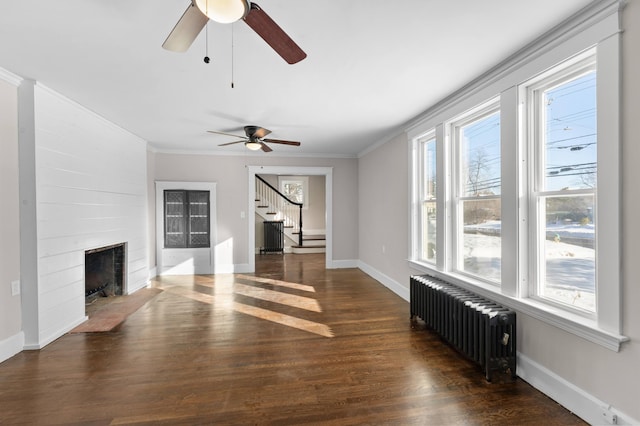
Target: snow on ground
[(574, 230), (570, 268)]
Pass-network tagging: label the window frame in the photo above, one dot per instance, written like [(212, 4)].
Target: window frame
[(597, 26), (534, 125), (456, 231), (421, 192)]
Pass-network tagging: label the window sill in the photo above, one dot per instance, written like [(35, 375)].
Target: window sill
[(572, 323)]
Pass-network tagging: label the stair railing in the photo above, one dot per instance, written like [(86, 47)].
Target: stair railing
[(289, 211)]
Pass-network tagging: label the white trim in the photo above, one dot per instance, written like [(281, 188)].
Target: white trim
[(247, 153), (385, 280), (11, 346), (54, 335), (289, 170), (153, 272), (509, 151), (581, 403), (344, 264), (10, 78), (608, 239)]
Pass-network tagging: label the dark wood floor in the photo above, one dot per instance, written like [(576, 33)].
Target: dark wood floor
[(294, 344)]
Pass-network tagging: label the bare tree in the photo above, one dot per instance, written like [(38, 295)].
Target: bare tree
[(477, 169)]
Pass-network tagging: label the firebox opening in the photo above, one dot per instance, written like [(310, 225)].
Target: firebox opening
[(104, 271)]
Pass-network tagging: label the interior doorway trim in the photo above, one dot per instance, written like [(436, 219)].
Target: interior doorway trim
[(327, 172)]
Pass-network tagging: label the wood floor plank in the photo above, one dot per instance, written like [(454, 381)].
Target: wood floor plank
[(254, 349)]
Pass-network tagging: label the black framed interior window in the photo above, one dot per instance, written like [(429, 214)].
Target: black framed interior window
[(186, 219)]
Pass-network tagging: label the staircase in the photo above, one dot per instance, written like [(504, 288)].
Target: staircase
[(272, 205), (311, 244)]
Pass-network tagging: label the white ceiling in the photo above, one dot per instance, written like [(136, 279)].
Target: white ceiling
[(372, 65)]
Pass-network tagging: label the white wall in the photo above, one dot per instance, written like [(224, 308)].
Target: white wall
[(11, 337), (230, 174), (90, 181), (577, 373)]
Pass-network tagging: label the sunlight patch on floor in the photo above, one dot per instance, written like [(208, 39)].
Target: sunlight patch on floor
[(288, 320), (279, 283), (224, 291), (292, 300)]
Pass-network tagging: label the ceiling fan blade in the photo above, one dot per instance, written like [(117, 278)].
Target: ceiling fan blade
[(186, 30), (231, 143), (280, 141), (265, 148), (275, 37), (225, 134)]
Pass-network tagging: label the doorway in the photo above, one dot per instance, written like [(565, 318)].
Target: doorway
[(327, 172)]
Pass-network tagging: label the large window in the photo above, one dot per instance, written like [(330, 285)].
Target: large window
[(477, 194), (526, 209), (563, 181), (186, 219)]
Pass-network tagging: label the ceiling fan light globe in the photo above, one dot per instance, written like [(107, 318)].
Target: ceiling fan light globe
[(224, 11), (253, 146)]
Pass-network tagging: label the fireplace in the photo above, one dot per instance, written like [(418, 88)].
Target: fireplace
[(104, 271)]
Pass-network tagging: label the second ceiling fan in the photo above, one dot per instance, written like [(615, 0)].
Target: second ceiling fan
[(255, 138), (199, 12)]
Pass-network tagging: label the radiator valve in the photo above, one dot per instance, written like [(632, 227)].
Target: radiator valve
[(505, 339)]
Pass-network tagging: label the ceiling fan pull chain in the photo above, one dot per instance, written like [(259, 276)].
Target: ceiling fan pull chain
[(232, 25), (206, 43)]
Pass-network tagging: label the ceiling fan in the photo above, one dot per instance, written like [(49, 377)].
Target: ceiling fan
[(255, 139), (199, 12)]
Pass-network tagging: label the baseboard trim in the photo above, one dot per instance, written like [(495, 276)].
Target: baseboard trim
[(11, 346), (241, 268), (153, 272), (387, 281), (55, 335), (343, 264), (581, 403)]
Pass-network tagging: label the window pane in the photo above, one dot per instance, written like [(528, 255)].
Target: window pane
[(569, 250), (479, 144), (199, 219), (480, 244), (429, 170), (429, 231), (570, 134), (175, 224), (428, 197), (294, 191)]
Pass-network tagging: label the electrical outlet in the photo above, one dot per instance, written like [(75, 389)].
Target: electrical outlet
[(15, 288), (609, 416), (384, 249)]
